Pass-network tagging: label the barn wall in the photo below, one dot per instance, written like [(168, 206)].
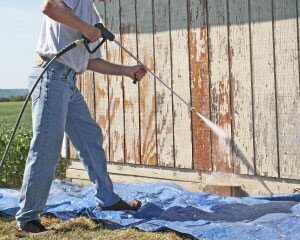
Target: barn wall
[(235, 61)]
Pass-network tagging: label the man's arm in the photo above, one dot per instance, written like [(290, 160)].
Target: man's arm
[(104, 67), (59, 12)]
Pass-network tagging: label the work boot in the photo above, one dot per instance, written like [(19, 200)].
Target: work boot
[(122, 205), (32, 228)]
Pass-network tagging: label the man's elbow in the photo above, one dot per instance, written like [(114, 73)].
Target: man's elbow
[(47, 7)]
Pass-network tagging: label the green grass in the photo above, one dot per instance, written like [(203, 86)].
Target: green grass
[(83, 228), (9, 112)]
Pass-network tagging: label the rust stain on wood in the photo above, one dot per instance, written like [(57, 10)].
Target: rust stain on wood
[(199, 71), (114, 106), (118, 140), (200, 99), (100, 92), (149, 143)]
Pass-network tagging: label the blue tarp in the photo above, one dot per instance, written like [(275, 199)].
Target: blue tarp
[(167, 206)]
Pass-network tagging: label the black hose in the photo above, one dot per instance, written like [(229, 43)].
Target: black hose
[(59, 54), (23, 109), (106, 35)]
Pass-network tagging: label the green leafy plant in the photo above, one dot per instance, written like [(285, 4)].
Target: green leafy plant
[(11, 173)]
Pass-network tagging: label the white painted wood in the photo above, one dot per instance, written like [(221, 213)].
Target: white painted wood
[(194, 187), (131, 91), (263, 76), (198, 44), (262, 185), (64, 149), (116, 110), (240, 73), (73, 154), (181, 84), (287, 86), (147, 171), (88, 91), (251, 184), (99, 6), (220, 83), (163, 96), (263, 88), (101, 91), (147, 86)]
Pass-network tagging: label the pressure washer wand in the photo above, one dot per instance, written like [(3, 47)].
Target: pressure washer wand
[(107, 35), (154, 75), (219, 131), (216, 129)]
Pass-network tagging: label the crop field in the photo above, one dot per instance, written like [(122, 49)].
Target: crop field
[(9, 112)]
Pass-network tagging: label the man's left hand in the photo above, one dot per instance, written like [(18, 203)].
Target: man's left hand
[(138, 71)]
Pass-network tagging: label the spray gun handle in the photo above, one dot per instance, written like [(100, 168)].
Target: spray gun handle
[(105, 32)]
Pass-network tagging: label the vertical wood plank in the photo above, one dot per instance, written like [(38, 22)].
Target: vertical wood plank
[(220, 84), (265, 133), (89, 91), (163, 69), (287, 86), (116, 110), (131, 91), (147, 86), (181, 84), (240, 74), (73, 154), (200, 82), (101, 91), (65, 151)]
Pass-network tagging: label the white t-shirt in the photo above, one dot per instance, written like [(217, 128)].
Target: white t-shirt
[(55, 36)]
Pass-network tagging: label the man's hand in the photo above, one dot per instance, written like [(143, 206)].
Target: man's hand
[(138, 72), (92, 33)]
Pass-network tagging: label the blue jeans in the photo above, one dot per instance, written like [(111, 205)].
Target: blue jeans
[(58, 107)]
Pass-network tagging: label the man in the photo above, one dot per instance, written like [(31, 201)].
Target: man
[(58, 107)]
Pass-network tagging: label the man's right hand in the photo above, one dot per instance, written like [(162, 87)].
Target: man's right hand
[(92, 33)]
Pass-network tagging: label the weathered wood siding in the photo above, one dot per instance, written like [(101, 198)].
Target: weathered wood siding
[(235, 61)]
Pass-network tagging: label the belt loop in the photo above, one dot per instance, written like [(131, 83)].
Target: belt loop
[(69, 71)]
